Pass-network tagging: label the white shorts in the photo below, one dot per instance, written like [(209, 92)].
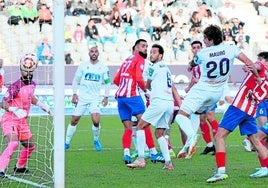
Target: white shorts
[(86, 107), (201, 97), (226, 91), (158, 113)]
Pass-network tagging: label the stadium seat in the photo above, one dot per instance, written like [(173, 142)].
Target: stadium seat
[(81, 48), (114, 57), (131, 38), (146, 36), (122, 47), (109, 46), (169, 56), (124, 55), (103, 57), (182, 57)]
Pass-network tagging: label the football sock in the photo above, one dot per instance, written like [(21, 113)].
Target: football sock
[(262, 162), (7, 153), (168, 142), (183, 137), (25, 153), (221, 170), (204, 127), (134, 136), (126, 138), (210, 144), (164, 148), (221, 161), (149, 137), (69, 134), (140, 143), (185, 124), (96, 132), (215, 125), (195, 119), (153, 151), (126, 151)]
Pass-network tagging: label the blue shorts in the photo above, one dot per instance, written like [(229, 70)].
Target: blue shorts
[(211, 109), (262, 109), (234, 117), (264, 128), (130, 106)]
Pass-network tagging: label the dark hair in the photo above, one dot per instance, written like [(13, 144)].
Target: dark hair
[(213, 32), (138, 41), (196, 42), (160, 48), (263, 55), (90, 20)]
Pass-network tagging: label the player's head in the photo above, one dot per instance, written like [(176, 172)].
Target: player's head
[(156, 53), (93, 52), (263, 58), (28, 63), (141, 47), (212, 35), (196, 46)]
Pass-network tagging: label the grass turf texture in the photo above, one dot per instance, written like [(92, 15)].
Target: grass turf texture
[(85, 167)]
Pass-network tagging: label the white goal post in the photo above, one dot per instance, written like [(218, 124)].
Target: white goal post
[(59, 83)]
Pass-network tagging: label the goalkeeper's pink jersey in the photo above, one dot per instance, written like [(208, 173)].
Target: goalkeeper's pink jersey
[(19, 95)]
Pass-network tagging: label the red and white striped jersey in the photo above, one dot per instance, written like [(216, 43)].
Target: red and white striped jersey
[(196, 72), (250, 93), (129, 77)]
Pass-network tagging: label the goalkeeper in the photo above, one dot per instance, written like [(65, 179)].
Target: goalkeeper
[(16, 103)]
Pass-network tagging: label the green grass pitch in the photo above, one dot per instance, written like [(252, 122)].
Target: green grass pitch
[(85, 167)]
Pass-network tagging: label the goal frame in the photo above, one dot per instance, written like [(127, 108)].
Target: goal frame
[(59, 84)]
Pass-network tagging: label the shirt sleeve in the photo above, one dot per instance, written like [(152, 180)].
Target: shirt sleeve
[(139, 70)]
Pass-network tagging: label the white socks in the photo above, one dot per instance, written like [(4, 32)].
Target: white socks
[(96, 132), (164, 148), (69, 133), (140, 142), (185, 124)]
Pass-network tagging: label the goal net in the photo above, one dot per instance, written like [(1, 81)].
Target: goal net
[(16, 40)]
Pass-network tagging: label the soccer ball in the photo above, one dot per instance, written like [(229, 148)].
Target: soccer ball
[(28, 62)]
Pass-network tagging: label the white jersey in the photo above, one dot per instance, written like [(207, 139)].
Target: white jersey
[(145, 70), (216, 62), (91, 77), (161, 83)]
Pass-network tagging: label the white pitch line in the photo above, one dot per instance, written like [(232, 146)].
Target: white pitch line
[(26, 181)]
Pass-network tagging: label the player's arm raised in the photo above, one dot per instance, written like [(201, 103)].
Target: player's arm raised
[(44, 107), (176, 95), (242, 57)]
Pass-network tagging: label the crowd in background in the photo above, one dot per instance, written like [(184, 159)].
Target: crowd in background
[(172, 23)]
